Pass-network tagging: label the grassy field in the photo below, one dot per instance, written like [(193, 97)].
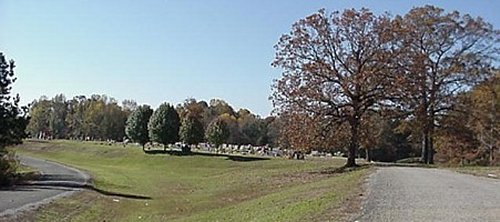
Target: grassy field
[(197, 187)]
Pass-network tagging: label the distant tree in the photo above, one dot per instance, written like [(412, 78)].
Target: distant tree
[(486, 103), (13, 120), (249, 127), (137, 125), (164, 125), (255, 132), (191, 107), (469, 134), (217, 132), (114, 121), (383, 140), (191, 131), (39, 118), (273, 130), (335, 69), (235, 134), (57, 117), (74, 117), (94, 114), (219, 107), (129, 106), (456, 142)]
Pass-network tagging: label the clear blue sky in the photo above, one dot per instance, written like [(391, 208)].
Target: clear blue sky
[(155, 51)]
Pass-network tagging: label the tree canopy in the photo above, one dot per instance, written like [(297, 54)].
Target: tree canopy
[(164, 125), (217, 132), (137, 125), (97, 117), (334, 69), (191, 131)]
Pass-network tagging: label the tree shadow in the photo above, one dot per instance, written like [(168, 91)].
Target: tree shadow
[(65, 186), (342, 169), (65, 183), (110, 193), (237, 158)]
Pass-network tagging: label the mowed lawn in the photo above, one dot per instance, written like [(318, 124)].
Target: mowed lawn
[(196, 187), (491, 171)]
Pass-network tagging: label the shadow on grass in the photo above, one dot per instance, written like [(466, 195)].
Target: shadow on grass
[(228, 156), (35, 181), (342, 169), (68, 185), (109, 193)]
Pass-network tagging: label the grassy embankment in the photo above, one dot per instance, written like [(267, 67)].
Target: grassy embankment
[(196, 187), (491, 172)]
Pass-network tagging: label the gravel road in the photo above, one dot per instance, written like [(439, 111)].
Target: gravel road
[(418, 194), (56, 181)]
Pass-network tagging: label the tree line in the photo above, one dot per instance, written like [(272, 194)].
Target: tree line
[(100, 117), (97, 117), (355, 79)]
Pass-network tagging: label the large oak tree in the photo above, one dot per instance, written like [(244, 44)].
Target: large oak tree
[(334, 69)]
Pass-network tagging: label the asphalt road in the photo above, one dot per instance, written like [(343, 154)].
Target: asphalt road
[(56, 181), (418, 194)]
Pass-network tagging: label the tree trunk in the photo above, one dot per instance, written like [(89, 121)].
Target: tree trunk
[(368, 157), (430, 137), (492, 128), (353, 145), (430, 151), (427, 141), (492, 155), (427, 148), (424, 148)]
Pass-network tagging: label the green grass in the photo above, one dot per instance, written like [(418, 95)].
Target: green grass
[(22, 169), (196, 187), (480, 171)]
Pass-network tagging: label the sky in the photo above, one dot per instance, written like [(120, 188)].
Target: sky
[(159, 51)]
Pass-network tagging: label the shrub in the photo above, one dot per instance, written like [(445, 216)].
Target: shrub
[(8, 167)]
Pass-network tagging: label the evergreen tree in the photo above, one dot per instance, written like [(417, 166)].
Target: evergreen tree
[(13, 120)]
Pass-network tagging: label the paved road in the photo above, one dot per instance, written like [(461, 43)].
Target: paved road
[(56, 181), (417, 194)]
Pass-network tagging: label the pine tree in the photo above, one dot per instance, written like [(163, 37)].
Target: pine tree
[(13, 119)]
